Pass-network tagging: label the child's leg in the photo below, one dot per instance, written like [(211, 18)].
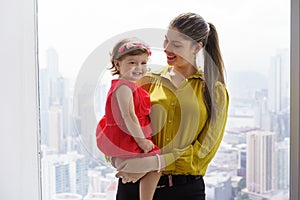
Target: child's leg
[(148, 185)]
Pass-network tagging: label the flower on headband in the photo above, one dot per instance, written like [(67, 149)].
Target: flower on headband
[(134, 44), (129, 45), (122, 48)]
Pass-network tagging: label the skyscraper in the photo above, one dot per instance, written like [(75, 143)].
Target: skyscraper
[(260, 162), (282, 164), (279, 94), (64, 173), (279, 82), (55, 137)]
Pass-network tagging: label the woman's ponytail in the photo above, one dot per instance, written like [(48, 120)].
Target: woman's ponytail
[(196, 28), (213, 68)]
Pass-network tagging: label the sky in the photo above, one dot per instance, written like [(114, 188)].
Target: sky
[(250, 31)]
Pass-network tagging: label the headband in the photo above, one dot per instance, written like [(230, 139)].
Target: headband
[(134, 45)]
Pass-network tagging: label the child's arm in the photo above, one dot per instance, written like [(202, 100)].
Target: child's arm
[(125, 101)]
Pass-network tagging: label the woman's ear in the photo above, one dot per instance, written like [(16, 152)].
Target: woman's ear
[(198, 47)]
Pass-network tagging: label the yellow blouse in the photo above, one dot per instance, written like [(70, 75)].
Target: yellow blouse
[(179, 119)]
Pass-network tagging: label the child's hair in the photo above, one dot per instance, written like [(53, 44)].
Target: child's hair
[(125, 47)]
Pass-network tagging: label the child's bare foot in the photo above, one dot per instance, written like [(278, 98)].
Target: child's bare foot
[(129, 177)]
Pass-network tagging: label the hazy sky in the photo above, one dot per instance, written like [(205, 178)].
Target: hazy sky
[(250, 31)]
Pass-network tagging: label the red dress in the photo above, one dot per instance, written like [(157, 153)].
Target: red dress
[(113, 138)]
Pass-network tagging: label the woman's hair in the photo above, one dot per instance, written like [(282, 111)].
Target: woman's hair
[(196, 28), (127, 47)]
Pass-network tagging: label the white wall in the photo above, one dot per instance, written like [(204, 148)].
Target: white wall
[(18, 101)]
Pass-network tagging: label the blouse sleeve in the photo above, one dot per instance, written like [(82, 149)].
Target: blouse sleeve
[(202, 151)]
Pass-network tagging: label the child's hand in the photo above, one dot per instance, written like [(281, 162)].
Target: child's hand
[(145, 144)]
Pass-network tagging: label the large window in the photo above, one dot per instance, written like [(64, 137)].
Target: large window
[(75, 38)]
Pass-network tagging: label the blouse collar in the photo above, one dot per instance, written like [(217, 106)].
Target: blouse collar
[(166, 74)]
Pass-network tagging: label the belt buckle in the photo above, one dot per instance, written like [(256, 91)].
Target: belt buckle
[(169, 182), (160, 186)]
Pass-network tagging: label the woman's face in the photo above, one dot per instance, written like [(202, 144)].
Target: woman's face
[(180, 51)]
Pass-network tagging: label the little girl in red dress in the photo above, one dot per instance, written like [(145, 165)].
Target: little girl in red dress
[(124, 131)]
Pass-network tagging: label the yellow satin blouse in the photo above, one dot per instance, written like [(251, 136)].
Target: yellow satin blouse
[(179, 119)]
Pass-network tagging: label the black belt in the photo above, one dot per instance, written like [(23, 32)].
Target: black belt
[(171, 180)]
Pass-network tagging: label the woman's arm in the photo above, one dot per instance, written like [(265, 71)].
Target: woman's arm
[(199, 153), (125, 102), (202, 151)]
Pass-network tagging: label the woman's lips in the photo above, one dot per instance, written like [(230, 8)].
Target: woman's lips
[(171, 58)]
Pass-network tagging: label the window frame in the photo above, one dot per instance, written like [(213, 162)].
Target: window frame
[(295, 101)]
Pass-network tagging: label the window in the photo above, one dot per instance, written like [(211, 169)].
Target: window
[(258, 83)]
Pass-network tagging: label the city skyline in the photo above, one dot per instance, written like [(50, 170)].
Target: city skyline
[(247, 113)]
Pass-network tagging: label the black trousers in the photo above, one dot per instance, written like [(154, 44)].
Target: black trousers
[(178, 187)]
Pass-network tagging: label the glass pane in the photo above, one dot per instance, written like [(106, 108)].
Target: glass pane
[(75, 38)]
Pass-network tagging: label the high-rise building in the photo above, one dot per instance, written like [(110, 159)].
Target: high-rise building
[(282, 164), (218, 186), (55, 104), (279, 94), (261, 112), (79, 168), (56, 175), (55, 137), (261, 172), (64, 173), (52, 63), (88, 108), (279, 82), (242, 160)]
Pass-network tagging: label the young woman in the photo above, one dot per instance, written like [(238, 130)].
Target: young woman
[(124, 131), (189, 112)]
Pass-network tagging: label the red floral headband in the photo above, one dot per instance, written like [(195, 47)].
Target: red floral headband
[(130, 45)]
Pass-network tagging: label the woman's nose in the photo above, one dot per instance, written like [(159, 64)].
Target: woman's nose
[(167, 47)]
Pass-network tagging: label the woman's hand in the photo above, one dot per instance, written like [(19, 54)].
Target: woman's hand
[(140, 165)]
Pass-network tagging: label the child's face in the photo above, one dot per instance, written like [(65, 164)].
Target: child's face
[(132, 68)]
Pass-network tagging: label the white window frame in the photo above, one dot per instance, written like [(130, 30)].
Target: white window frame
[(19, 144)]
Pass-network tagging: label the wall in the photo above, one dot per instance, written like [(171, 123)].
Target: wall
[(18, 101)]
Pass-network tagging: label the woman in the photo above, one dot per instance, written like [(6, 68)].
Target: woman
[(189, 113)]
